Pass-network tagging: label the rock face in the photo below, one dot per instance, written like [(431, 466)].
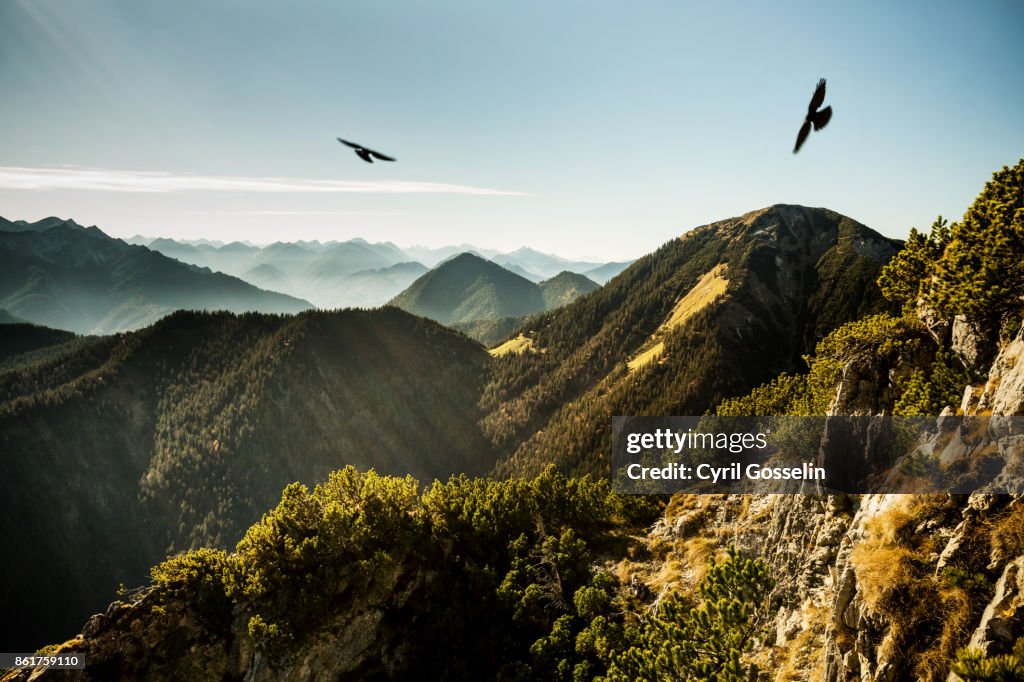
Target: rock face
[(1003, 393), (169, 640), (867, 584)]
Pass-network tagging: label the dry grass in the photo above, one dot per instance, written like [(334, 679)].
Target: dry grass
[(709, 289), (880, 571), (956, 615), (929, 618), (519, 345), (647, 357), (1007, 533), (803, 657)]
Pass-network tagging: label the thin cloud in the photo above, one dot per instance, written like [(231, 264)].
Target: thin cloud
[(104, 180), (293, 213)]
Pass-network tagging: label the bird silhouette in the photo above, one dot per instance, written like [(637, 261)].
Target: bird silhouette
[(367, 155), (818, 119)]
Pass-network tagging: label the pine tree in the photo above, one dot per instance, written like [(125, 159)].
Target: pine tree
[(704, 642)]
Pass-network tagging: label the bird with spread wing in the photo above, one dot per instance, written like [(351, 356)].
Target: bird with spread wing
[(367, 155), (816, 118)]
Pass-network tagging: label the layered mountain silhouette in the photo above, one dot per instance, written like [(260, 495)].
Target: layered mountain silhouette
[(357, 273), (543, 265), (60, 274), (310, 270)]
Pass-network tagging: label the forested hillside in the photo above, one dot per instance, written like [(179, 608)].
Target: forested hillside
[(725, 307), (117, 450), (22, 337)]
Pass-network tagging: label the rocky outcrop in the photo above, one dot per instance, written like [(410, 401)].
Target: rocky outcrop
[(1003, 392), (973, 345), (866, 583), (160, 639)]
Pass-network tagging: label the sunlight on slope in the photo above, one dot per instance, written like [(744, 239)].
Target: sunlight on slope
[(649, 355), (519, 345), (708, 290)]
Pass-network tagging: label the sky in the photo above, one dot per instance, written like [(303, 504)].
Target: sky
[(585, 128)]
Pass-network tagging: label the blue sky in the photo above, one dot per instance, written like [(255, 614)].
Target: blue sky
[(586, 128)]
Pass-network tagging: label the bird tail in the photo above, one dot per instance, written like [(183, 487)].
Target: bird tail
[(801, 137), (821, 118)]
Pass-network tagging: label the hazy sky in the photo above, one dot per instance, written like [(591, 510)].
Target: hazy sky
[(585, 128)]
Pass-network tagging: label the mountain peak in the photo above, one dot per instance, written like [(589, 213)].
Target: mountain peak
[(468, 287)]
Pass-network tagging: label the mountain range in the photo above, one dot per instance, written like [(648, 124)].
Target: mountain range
[(357, 273), (215, 413), (123, 447), (57, 273)]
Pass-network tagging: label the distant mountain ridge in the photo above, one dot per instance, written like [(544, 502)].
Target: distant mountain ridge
[(320, 271), (469, 288), (57, 273)]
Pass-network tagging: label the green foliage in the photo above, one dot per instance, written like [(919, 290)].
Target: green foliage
[(785, 394), (200, 577), (981, 273), (930, 389), (305, 548), (493, 578), (703, 642), (975, 583), (974, 666), (882, 341), (910, 271)]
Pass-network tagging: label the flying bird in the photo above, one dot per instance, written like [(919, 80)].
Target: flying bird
[(819, 119), (367, 155)]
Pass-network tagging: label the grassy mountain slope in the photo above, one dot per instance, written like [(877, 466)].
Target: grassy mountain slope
[(80, 279), (652, 341), (183, 433)]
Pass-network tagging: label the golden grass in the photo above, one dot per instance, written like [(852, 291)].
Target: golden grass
[(1007, 533), (519, 345), (709, 289), (803, 657), (648, 356)]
